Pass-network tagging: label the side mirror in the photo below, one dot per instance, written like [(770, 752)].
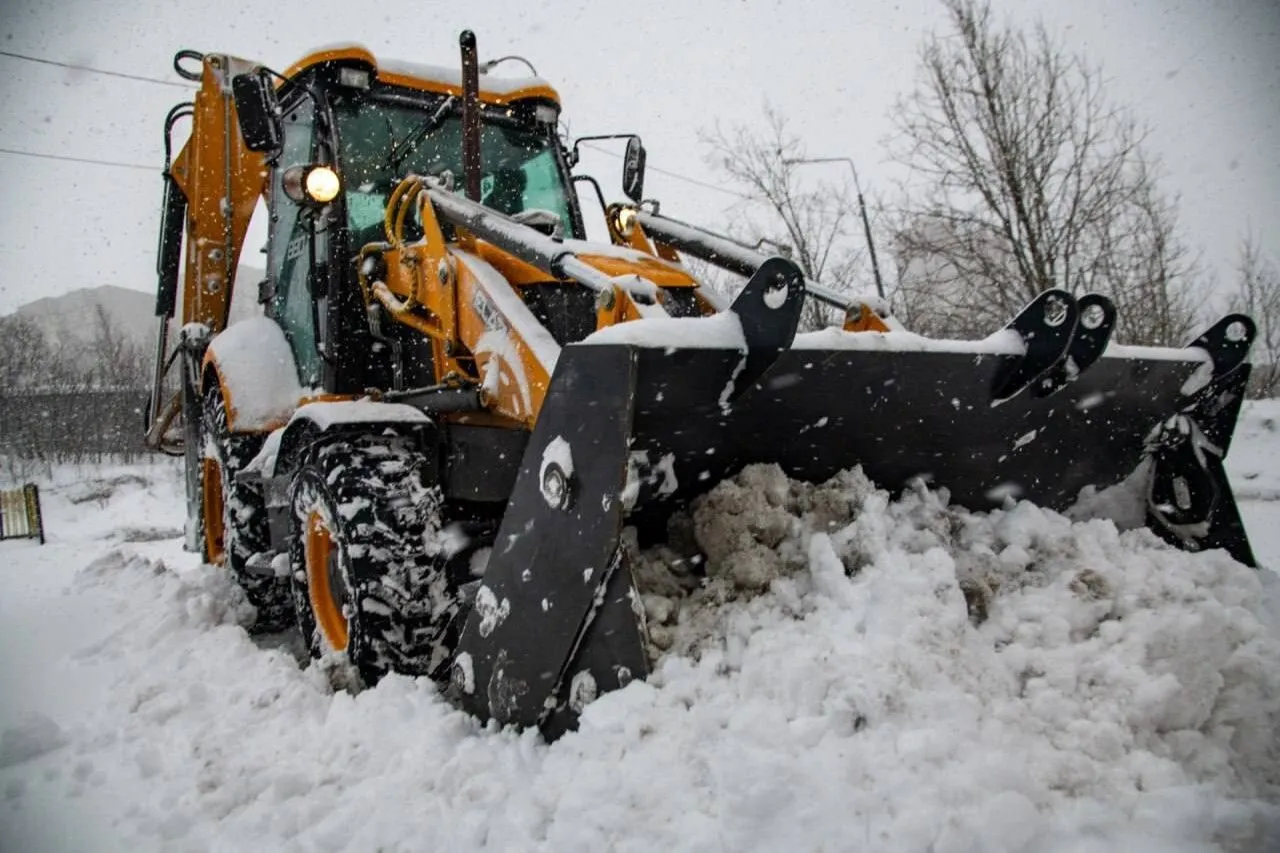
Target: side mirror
[(258, 111), (633, 170)]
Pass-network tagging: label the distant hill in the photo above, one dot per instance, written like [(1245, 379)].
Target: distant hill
[(72, 318), (71, 345)]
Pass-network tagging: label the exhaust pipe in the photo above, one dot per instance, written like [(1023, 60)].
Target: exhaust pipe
[(470, 115)]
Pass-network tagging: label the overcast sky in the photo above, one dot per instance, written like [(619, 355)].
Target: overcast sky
[(1205, 76)]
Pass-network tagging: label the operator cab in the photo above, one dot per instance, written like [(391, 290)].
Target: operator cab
[(381, 123), (385, 134), (373, 124)]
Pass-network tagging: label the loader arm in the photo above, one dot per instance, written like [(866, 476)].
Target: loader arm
[(210, 191), (460, 293), (663, 236)]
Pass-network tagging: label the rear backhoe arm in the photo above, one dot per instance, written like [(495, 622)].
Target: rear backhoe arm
[(210, 191), (222, 181)]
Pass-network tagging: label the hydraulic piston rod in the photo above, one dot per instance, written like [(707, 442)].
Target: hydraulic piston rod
[(738, 258)]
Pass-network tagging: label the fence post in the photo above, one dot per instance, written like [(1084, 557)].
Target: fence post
[(21, 509), (35, 518)]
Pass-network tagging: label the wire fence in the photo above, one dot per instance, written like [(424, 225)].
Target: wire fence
[(73, 425)]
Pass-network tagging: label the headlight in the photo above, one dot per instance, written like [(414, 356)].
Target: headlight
[(311, 184), (323, 184)]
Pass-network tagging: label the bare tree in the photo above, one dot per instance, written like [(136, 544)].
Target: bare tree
[(1023, 178), (24, 353), (717, 279), (815, 222), (115, 360), (1258, 295), (68, 399)]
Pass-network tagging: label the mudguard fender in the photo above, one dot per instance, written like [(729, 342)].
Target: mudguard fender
[(257, 373)]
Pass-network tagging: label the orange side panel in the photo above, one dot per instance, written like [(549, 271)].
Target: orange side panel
[(510, 374), (512, 268), (667, 253), (656, 271), (518, 272)]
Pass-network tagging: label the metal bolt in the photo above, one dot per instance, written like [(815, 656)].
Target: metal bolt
[(1055, 311), (1093, 316), (557, 491)]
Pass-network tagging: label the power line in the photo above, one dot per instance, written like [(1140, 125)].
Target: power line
[(699, 183), (97, 162), (102, 71), (137, 77), (676, 175), (78, 159)]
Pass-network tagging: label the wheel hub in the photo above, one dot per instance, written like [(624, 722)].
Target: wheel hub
[(214, 535), (326, 587)]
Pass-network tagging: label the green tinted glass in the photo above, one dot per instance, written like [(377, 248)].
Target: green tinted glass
[(519, 167)]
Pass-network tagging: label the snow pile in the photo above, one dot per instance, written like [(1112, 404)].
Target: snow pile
[(720, 331), (855, 673), (1018, 672), (35, 735), (1251, 461)]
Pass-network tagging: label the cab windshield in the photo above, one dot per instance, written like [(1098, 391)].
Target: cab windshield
[(519, 166)]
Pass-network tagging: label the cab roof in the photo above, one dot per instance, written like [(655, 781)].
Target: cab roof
[(428, 78)]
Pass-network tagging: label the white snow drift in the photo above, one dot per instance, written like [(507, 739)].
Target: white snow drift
[(856, 674)]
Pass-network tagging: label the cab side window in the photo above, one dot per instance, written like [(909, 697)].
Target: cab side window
[(293, 305)]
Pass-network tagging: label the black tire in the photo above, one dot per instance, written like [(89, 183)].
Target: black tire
[(397, 601), (243, 515)]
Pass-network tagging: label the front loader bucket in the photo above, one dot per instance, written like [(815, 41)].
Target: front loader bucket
[(636, 428)]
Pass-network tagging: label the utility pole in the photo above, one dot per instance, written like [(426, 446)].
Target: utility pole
[(862, 209)]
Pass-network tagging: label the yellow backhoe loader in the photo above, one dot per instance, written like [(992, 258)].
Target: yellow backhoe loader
[(447, 370)]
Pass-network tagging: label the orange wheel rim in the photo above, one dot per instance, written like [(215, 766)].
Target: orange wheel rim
[(321, 557), (211, 488)]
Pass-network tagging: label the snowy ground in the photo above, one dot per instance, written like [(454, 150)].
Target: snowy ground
[(1120, 695)]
